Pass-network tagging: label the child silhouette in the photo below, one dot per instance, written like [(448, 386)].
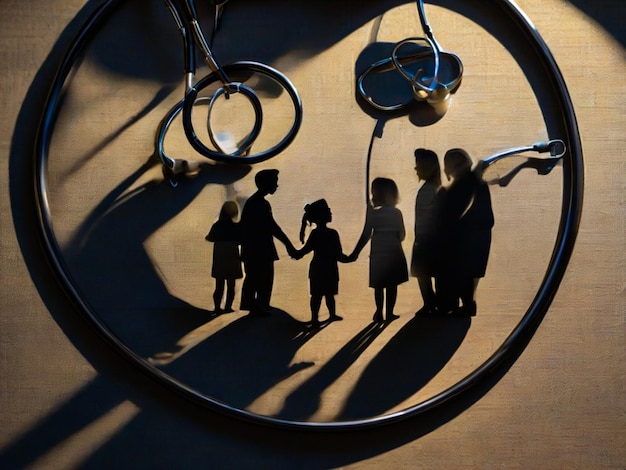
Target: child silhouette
[(384, 225), (226, 236), (326, 247)]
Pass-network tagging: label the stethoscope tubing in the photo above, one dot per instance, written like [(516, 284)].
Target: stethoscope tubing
[(511, 348)]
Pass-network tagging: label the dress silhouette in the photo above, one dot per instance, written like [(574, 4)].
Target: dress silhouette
[(384, 225), (225, 233), (325, 244), (258, 251)]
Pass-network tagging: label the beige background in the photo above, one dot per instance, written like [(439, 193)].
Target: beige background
[(65, 400)]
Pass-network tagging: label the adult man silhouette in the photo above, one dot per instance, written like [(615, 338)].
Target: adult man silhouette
[(258, 251), (426, 253)]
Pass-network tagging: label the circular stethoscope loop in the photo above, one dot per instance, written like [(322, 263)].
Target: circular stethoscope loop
[(460, 394)]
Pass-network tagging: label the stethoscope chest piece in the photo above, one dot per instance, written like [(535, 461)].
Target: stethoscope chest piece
[(412, 70)]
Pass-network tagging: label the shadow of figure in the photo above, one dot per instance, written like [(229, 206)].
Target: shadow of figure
[(115, 275), (416, 354), (304, 401), (245, 359)]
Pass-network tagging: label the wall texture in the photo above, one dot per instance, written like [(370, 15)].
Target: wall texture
[(68, 401)]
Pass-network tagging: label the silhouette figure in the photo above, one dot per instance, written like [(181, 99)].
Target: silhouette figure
[(100, 254), (467, 219), (325, 244), (226, 268), (384, 225), (426, 249), (258, 251)]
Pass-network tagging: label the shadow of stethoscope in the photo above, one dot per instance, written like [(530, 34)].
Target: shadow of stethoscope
[(116, 277)]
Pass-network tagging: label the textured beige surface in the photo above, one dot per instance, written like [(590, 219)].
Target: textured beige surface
[(561, 405)]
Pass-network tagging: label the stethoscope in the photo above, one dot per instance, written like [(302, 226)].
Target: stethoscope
[(425, 75), (430, 57), (432, 88), (542, 165)]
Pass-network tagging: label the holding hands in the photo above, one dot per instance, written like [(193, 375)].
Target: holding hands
[(292, 251)]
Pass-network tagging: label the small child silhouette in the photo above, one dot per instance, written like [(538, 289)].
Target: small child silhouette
[(326, 247), (226, 235)]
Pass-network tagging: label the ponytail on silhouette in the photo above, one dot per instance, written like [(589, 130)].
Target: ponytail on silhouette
[(305, 222), (315, 213)]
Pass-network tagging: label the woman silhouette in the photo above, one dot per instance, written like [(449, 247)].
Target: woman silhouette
[(467, 218)]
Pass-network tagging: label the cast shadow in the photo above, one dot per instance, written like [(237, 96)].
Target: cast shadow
[(143, 32), (413, 357), (241, 361), (610, 14), (303, 402), (169, 431), (295, 31), (111, 269)]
